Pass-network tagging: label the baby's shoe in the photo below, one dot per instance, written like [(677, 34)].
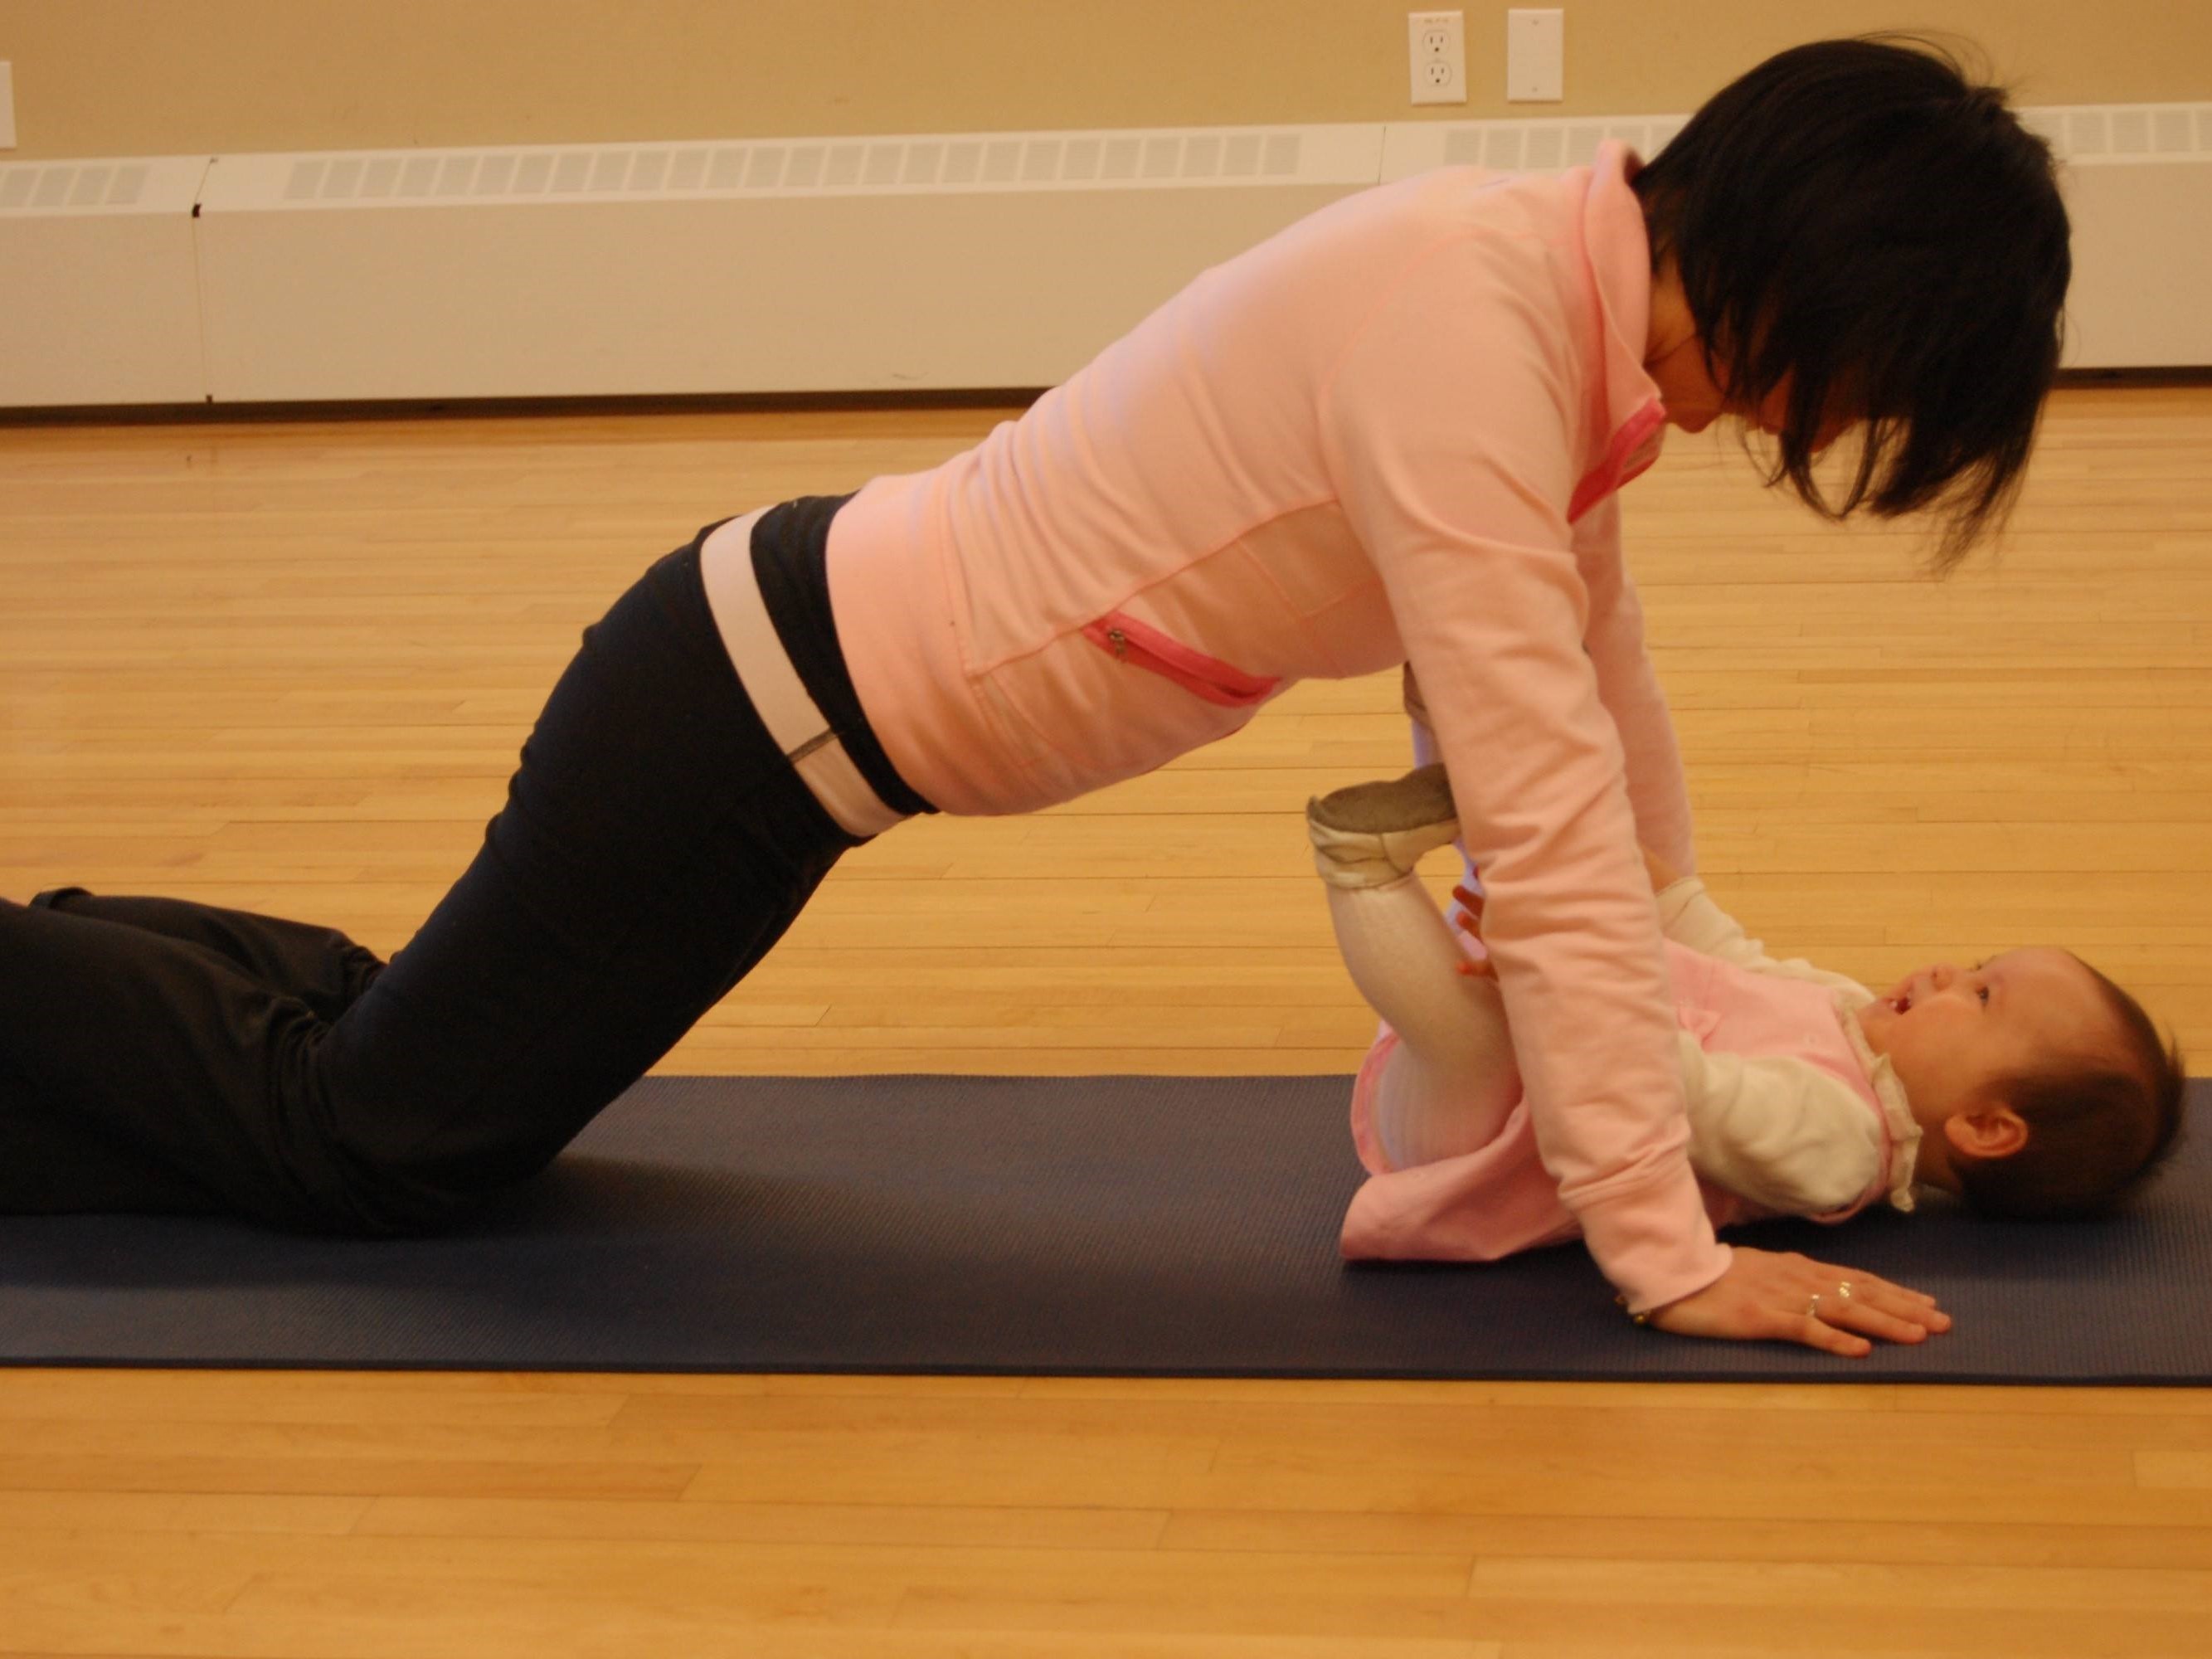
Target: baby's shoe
[(1370, 835)]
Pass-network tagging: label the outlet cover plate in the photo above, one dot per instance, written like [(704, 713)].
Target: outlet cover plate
[(1436, 51), (1536, 55)]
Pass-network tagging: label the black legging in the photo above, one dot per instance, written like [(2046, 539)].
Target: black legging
[(156, 1054)]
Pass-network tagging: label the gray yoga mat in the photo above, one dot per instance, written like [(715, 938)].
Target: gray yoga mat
[(1144, 1226)]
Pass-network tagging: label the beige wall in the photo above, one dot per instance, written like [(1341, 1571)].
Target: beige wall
[(112, 77)]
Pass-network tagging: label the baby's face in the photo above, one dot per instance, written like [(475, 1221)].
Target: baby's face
[(1953, 1034)]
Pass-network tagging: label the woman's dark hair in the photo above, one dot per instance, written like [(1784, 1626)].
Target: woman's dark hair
[(1860, 218), (2096, 1130)]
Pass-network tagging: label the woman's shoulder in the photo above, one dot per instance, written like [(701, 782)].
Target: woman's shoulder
[(1477, 254), (1449, 266), (1501, 214)]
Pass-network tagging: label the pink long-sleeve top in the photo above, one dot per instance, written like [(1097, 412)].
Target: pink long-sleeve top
[(1391, 433)]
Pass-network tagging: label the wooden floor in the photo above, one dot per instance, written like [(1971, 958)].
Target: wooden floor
[(287, 666)]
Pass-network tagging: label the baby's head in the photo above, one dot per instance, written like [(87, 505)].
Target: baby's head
[(2042, 1089)]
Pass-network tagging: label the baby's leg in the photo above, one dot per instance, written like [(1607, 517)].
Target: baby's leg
[(1452, 1080)]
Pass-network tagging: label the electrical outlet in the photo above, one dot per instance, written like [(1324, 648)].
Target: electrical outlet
[(1435, 48), (7, 106), (1536, 55)]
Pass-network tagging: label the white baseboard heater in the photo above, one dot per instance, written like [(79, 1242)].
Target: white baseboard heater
[(978, 261)]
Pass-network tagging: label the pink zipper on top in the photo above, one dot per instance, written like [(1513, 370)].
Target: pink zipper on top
[(1139, 643)]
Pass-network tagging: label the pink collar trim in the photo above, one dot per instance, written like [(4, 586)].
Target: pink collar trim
[(1620, 253), (1634, 448)]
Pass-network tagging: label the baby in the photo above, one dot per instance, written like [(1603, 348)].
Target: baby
[(2029, 1084)]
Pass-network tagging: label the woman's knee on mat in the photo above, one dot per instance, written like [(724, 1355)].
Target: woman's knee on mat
[(435, 1184)]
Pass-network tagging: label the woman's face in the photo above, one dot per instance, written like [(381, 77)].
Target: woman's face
[(1694, 400), (1676, 359)]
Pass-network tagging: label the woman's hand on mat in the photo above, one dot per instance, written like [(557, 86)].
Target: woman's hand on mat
[(1769, 1296)]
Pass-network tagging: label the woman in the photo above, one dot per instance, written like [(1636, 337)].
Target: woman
[(1391, 434)]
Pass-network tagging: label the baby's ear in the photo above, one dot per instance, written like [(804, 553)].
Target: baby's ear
[(1990, 1131)]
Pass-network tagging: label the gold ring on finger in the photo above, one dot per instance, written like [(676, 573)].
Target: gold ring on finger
[(1813, 1306)]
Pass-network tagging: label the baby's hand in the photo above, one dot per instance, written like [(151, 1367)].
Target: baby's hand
[(1469, 920), (1663, 875)]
